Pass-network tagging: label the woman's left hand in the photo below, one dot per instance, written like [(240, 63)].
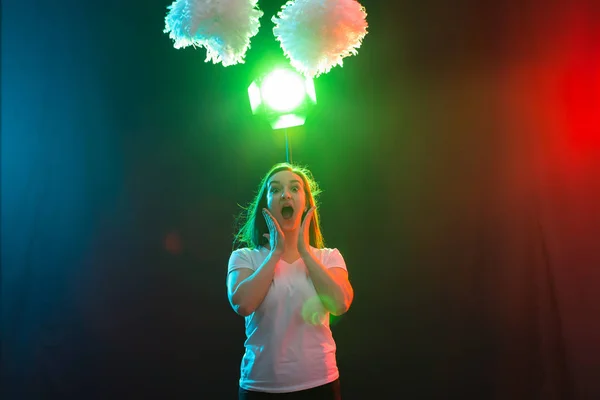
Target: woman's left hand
[(304, 236)]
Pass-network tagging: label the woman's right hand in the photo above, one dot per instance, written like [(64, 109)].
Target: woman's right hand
[(275, 236)]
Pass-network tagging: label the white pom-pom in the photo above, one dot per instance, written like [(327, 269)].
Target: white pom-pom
[(223, 27), (317, 34)]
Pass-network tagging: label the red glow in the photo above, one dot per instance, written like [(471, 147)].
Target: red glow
[(580, 84)]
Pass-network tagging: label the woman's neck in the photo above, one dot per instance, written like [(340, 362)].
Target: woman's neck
[(291, 243), (290, 252)]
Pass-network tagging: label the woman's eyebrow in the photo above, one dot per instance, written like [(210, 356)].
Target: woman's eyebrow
[(279, 183)]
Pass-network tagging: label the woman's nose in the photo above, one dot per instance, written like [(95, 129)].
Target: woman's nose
[(285, 194)]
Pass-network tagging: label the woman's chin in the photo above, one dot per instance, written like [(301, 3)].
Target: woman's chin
[(288, 225)]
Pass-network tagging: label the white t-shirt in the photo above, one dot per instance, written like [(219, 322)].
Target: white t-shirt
[(289, 345)]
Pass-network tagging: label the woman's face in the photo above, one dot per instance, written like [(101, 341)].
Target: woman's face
[(286, 199)]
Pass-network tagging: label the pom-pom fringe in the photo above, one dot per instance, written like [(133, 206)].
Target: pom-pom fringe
[(223, 27), (317, 34)]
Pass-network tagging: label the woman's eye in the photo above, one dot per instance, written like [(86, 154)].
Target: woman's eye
[(274, 190), (295, 189)]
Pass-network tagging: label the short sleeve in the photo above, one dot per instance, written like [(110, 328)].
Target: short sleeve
[(333, 258), (239, 259)]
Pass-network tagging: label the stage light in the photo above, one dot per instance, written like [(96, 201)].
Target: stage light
[(283, 96)]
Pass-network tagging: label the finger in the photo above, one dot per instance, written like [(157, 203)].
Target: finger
[(276, 226), (268, 213), (270, 226), (272, 223), (268, 218), (308, 217)]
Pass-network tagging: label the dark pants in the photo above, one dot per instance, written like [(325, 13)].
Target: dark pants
[(330, 391)]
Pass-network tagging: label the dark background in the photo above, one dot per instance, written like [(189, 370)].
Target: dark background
[(459, 153)]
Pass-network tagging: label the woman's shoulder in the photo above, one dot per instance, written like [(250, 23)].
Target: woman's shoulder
[(325, 252), (246, 257), (248, 251)]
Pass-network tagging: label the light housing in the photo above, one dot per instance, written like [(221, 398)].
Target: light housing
[(283, 96)]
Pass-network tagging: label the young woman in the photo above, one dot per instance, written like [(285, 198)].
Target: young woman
[(285, 284)]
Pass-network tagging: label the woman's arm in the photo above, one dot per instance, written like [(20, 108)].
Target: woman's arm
[(246, 289), (332, 284)]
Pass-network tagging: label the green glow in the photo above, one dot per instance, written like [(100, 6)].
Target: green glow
[(283, 90), (255, 98), (314, 311), (288, 121), (310, 90), (283, 96)]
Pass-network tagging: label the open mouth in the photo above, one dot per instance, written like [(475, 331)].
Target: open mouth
[(287, 212)]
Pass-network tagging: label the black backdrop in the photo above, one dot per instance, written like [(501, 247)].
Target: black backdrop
[(459, 154)]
